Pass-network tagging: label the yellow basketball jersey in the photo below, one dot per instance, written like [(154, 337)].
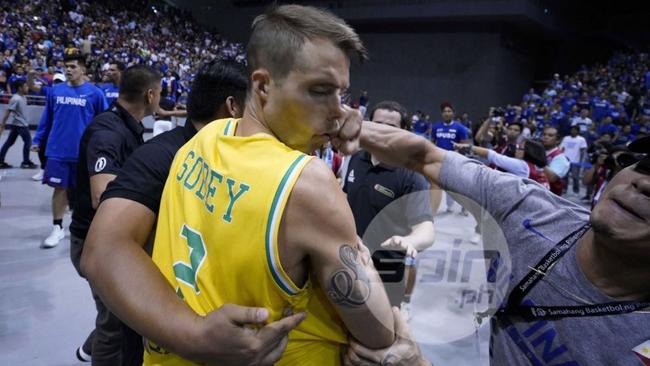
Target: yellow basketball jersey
[(216, 239)]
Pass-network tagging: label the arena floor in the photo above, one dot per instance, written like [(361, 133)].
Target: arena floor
[(46, 310)]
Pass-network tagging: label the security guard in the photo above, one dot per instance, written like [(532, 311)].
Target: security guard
[(105, 145), (388, 212)]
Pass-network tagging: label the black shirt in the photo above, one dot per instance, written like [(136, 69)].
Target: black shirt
[(105, 145), (385, 201), (143, 177), (372, 188)]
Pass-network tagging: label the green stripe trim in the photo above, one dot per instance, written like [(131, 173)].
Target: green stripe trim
[(226, 131), (275, 272)]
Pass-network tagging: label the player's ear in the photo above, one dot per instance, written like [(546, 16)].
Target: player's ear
[(233, 108), (261, 80)]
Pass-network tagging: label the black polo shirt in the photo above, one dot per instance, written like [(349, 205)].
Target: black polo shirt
[(105, 145), (143, 177), (384, 203), (371, 188)]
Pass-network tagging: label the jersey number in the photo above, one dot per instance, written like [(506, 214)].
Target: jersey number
[(188, 272)]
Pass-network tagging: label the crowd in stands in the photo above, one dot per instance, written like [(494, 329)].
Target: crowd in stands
[(608, 105), (37, 34)]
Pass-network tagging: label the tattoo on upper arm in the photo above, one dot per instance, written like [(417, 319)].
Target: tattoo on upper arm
[(349, 286)]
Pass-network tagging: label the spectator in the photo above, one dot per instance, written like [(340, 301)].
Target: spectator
[(19, 125), (444, 134), (509, 145), (583, 121), (558, 164), (19, 74), (607, 127), (575, 148), (528, 162)]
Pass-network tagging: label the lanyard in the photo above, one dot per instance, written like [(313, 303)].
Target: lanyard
[(514, 306)]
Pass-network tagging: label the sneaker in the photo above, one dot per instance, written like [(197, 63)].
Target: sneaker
[(82, 355), (475, 239), (55, 236), (464, 212), (38, 176), (28, 165), (4, 165)]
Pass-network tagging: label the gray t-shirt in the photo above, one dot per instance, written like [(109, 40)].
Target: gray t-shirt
[(18, 107), (534, 220)]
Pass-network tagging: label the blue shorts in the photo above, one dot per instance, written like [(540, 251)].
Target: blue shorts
[(60, 174)]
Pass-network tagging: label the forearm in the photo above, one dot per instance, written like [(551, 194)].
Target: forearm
[(133, 288), (128, 281), (401, 148), (480, 151), (365, 310), (512, 165), (422, 235)]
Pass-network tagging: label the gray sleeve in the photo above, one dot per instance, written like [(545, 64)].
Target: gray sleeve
[(501, 194), (13, 103), (515, 166)]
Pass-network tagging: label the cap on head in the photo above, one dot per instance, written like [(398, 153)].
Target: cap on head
[(58, 77)]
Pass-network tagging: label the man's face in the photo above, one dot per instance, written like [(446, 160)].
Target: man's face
[(386, 117), (74, 71), (303, 109), (447, 114), (574, 132), (113, 73), (513, 132), (623, 211), (549, 138)]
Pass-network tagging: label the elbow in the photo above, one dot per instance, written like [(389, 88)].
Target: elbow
[(382, 339)]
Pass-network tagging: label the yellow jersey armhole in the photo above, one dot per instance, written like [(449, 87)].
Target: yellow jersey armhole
[(273, 224)]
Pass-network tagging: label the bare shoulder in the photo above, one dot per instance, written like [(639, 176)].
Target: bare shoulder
[(316, 188), (317, 206)]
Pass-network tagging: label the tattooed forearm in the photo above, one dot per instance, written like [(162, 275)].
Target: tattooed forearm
[(349, 286)]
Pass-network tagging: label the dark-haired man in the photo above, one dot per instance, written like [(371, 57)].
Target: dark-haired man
[(509, 146), (577, 278), (69, 108), (115, 245), (405, 228), (113, 74), (445, 134), (558, 164), (105, 145)]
